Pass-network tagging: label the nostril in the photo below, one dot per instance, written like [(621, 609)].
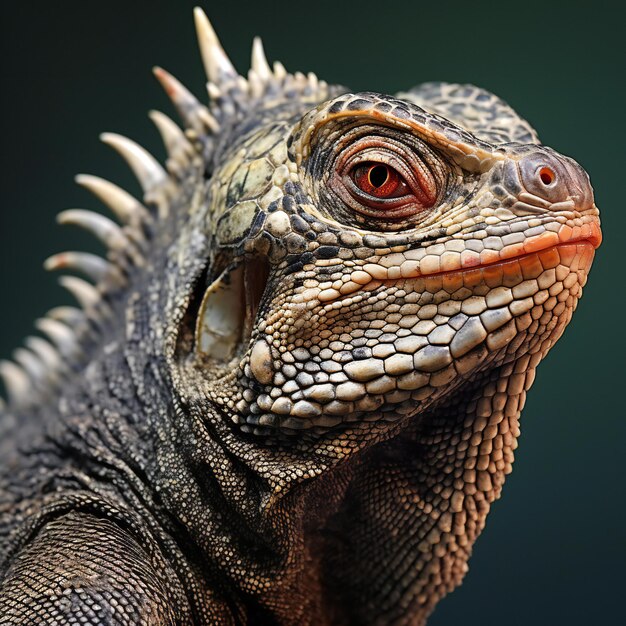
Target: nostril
[(554, 178), (544, 176), (547, 176)]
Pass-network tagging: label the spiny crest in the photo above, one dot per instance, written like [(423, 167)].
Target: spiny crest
[(43, 363)]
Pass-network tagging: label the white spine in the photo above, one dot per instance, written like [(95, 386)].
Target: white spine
[(146, 168), (259, 61), (69, 315), (16, 382), (46, 352), (176, 143), (61, 335), (85, 293), (31, 364), (102, 227), (217, 65), (194, 114), (125, 207), (93, 266)]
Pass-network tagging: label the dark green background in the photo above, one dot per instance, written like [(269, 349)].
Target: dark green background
[(554, 548)]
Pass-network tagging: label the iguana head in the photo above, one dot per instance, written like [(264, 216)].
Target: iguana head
[(321, 271), (368, 254)]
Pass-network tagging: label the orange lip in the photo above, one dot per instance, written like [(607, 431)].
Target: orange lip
[(589, 233), (569, 246), (511, 268)]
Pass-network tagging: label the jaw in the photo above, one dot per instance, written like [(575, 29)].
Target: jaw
[(412, 466), (362, 383), (383, 346)]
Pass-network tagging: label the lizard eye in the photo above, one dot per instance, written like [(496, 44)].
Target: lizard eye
[(379, 178), (379, 181)]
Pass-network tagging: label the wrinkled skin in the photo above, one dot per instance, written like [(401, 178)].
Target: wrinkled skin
[(301, 407)]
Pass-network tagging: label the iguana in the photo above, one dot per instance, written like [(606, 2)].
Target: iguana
[(293, 390)]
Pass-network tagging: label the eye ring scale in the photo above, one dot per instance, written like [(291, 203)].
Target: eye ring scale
[(384, 180)]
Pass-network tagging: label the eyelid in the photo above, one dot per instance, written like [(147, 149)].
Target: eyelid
[(415, 173), (385, 157), (423, 170)]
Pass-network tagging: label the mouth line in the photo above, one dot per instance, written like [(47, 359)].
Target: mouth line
[(586, 234), (471, 266), (502, 260), (589, 234), (509, 266)]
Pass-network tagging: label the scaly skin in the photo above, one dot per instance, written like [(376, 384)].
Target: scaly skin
[(283, 405)]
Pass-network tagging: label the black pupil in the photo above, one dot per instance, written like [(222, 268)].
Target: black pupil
[(378, 175)]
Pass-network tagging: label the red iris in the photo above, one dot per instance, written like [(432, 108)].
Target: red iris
[(379, 180), (382, 179)]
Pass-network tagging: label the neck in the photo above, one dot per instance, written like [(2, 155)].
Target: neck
[(300, 550)]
